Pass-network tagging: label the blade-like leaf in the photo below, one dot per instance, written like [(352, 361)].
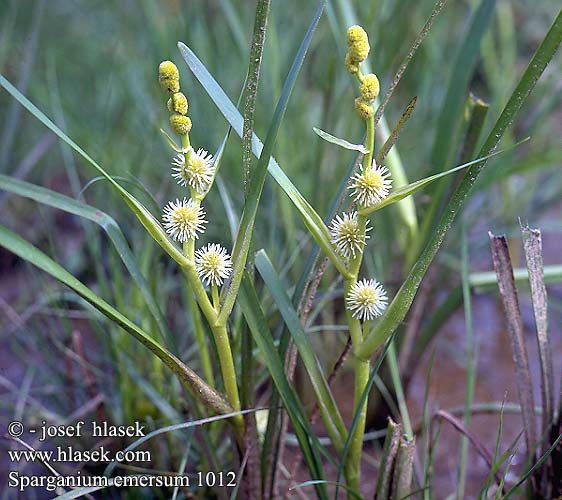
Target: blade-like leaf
[(106, 222), (342, 143), (326, 403), (410, 189), (152, 225), (253, 193), (188, 377), (145, 217), (263, 338)]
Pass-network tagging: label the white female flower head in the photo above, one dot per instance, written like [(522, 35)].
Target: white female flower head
[(346, 234), (183, 219), (366, 300), (371, 186), (196, 171), (213, 264)]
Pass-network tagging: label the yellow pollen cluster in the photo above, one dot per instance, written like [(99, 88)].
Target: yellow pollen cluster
[(358, 44), (180, 124), (364, 108), (169, 76), (178, 103), (370, 86)]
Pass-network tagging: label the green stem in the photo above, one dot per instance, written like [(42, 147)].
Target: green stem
[(361, 372), (361, 366), (215, 296), (228, 372), (204, 355), (370, 143)]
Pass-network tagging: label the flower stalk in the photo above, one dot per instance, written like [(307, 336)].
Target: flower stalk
[(184, 221)]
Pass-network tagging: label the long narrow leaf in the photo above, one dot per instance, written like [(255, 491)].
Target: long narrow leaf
[(188, 377), (145, 217), (412, 188), (508, 292), (532, 244), (310, 217), (257, 323), (326, 403)]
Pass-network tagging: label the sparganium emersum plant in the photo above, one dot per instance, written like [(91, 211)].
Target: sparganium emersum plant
[(184, 220), (216, 282)]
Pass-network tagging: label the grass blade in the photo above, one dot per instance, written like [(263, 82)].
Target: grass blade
[(508, 292), (310, 217), (404, 191), (145, 217), (188, 377), (257, 323), (326, 403), (251, 87), (401, 303)]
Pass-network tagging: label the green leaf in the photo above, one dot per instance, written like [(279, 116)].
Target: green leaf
[(410, 189), (401, 303), (188, 377), (252, 311), (342, 143), (106, 222), (326, 403)]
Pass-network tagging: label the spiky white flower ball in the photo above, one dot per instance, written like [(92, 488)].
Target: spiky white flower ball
[(366, 300), (197, 171), (371, 186), (346, 234), (183, 219), (213, 264)]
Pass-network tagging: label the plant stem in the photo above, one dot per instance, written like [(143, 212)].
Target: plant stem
[(228, 372), (215, 296), (199, 334), (361, 369), (360, 366)]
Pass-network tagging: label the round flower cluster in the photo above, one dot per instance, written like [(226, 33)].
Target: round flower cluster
[(366, 300), (347, 236)]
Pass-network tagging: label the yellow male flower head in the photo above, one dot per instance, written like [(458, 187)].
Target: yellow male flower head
[(351, 66), (181, 124), (178, 103), (370, 87), (358, 43), (169, 76), (364, 108)]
